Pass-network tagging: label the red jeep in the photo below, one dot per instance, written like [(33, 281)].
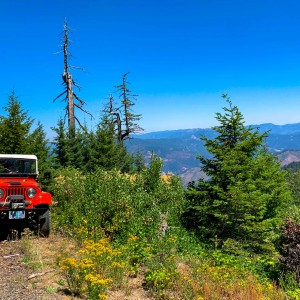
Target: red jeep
[(22, 202)]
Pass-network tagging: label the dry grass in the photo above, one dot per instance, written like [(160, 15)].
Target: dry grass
[(45, 251)]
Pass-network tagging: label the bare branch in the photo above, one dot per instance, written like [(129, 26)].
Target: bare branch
[(85, 111), (60, 95)]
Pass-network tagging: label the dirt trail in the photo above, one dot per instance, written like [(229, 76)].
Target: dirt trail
[(18, 280)]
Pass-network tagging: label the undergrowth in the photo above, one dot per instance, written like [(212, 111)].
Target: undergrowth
[(126, 226)]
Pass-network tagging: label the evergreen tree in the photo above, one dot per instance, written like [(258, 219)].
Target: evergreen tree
[(139, 162), (152, 174), (87, 139), (60, 145), (14, 127), (69, 148), (106, 151), (246, 190), (18, 138), (38, 145), (75, 146), (293, 180)]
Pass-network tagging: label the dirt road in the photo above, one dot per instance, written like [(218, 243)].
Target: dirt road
[(28, 271), (24, 272)]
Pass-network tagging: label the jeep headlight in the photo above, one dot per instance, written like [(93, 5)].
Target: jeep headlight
[(1, 193), (31, 192)]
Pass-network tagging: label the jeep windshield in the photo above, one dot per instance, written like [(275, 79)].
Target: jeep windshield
[(14, 166)]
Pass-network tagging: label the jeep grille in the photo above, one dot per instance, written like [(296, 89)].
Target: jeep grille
[(15, 191)]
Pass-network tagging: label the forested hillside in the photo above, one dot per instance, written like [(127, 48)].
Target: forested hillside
[(179, 148)]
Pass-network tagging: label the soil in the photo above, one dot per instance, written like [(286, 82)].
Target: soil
[(20, 277), (28, 271)]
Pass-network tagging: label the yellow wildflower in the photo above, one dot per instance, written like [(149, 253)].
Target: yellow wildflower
[(120, 265), (97, 279), (132, 238)]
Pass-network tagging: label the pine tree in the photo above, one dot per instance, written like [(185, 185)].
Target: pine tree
[(75, 146), (107, 152), (70, 149), (139, 162), (87, 140), (293, 180), (17, 136), (38, 145), (14, 127), (246, 190), (60, 145)]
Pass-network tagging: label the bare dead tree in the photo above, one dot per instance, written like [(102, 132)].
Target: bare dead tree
[(130, 119), (71, 98), (115, 116)]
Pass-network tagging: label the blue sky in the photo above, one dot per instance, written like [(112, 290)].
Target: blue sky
[(181, 55)]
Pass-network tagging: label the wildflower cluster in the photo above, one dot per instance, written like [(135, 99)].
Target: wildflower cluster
[(93, 269), (203, 280)]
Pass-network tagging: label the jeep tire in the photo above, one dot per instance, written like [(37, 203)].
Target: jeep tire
[(44, 223)]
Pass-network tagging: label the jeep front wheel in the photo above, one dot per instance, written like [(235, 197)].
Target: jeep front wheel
[(44, 224)]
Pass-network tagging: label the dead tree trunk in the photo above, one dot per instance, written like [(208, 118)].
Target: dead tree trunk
[(69, 83), (67, 78)]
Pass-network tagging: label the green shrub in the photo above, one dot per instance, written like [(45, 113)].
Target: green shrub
[(114, 204)]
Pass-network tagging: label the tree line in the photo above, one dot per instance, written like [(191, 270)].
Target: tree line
[(80, 148)]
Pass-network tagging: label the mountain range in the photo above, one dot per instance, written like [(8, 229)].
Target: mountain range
[(179, 148)]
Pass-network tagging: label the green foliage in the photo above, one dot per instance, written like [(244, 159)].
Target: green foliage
[(290, 285), (152, 175), (246, 192), (38, 144), (14, 127), (159, 278), (293, 180), (87, 151), (132, 210), (17, 136), (106, 151), (75, 148), (114, 203), (139, 163), (60, 149), (69, 146)]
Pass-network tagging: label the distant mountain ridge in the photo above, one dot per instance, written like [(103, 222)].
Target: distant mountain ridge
[(176, 134), (287, 129), (179, 148)]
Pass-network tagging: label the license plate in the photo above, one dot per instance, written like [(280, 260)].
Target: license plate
[(16, 214)]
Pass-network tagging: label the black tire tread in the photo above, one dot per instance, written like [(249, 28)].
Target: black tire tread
[(44, 224)]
